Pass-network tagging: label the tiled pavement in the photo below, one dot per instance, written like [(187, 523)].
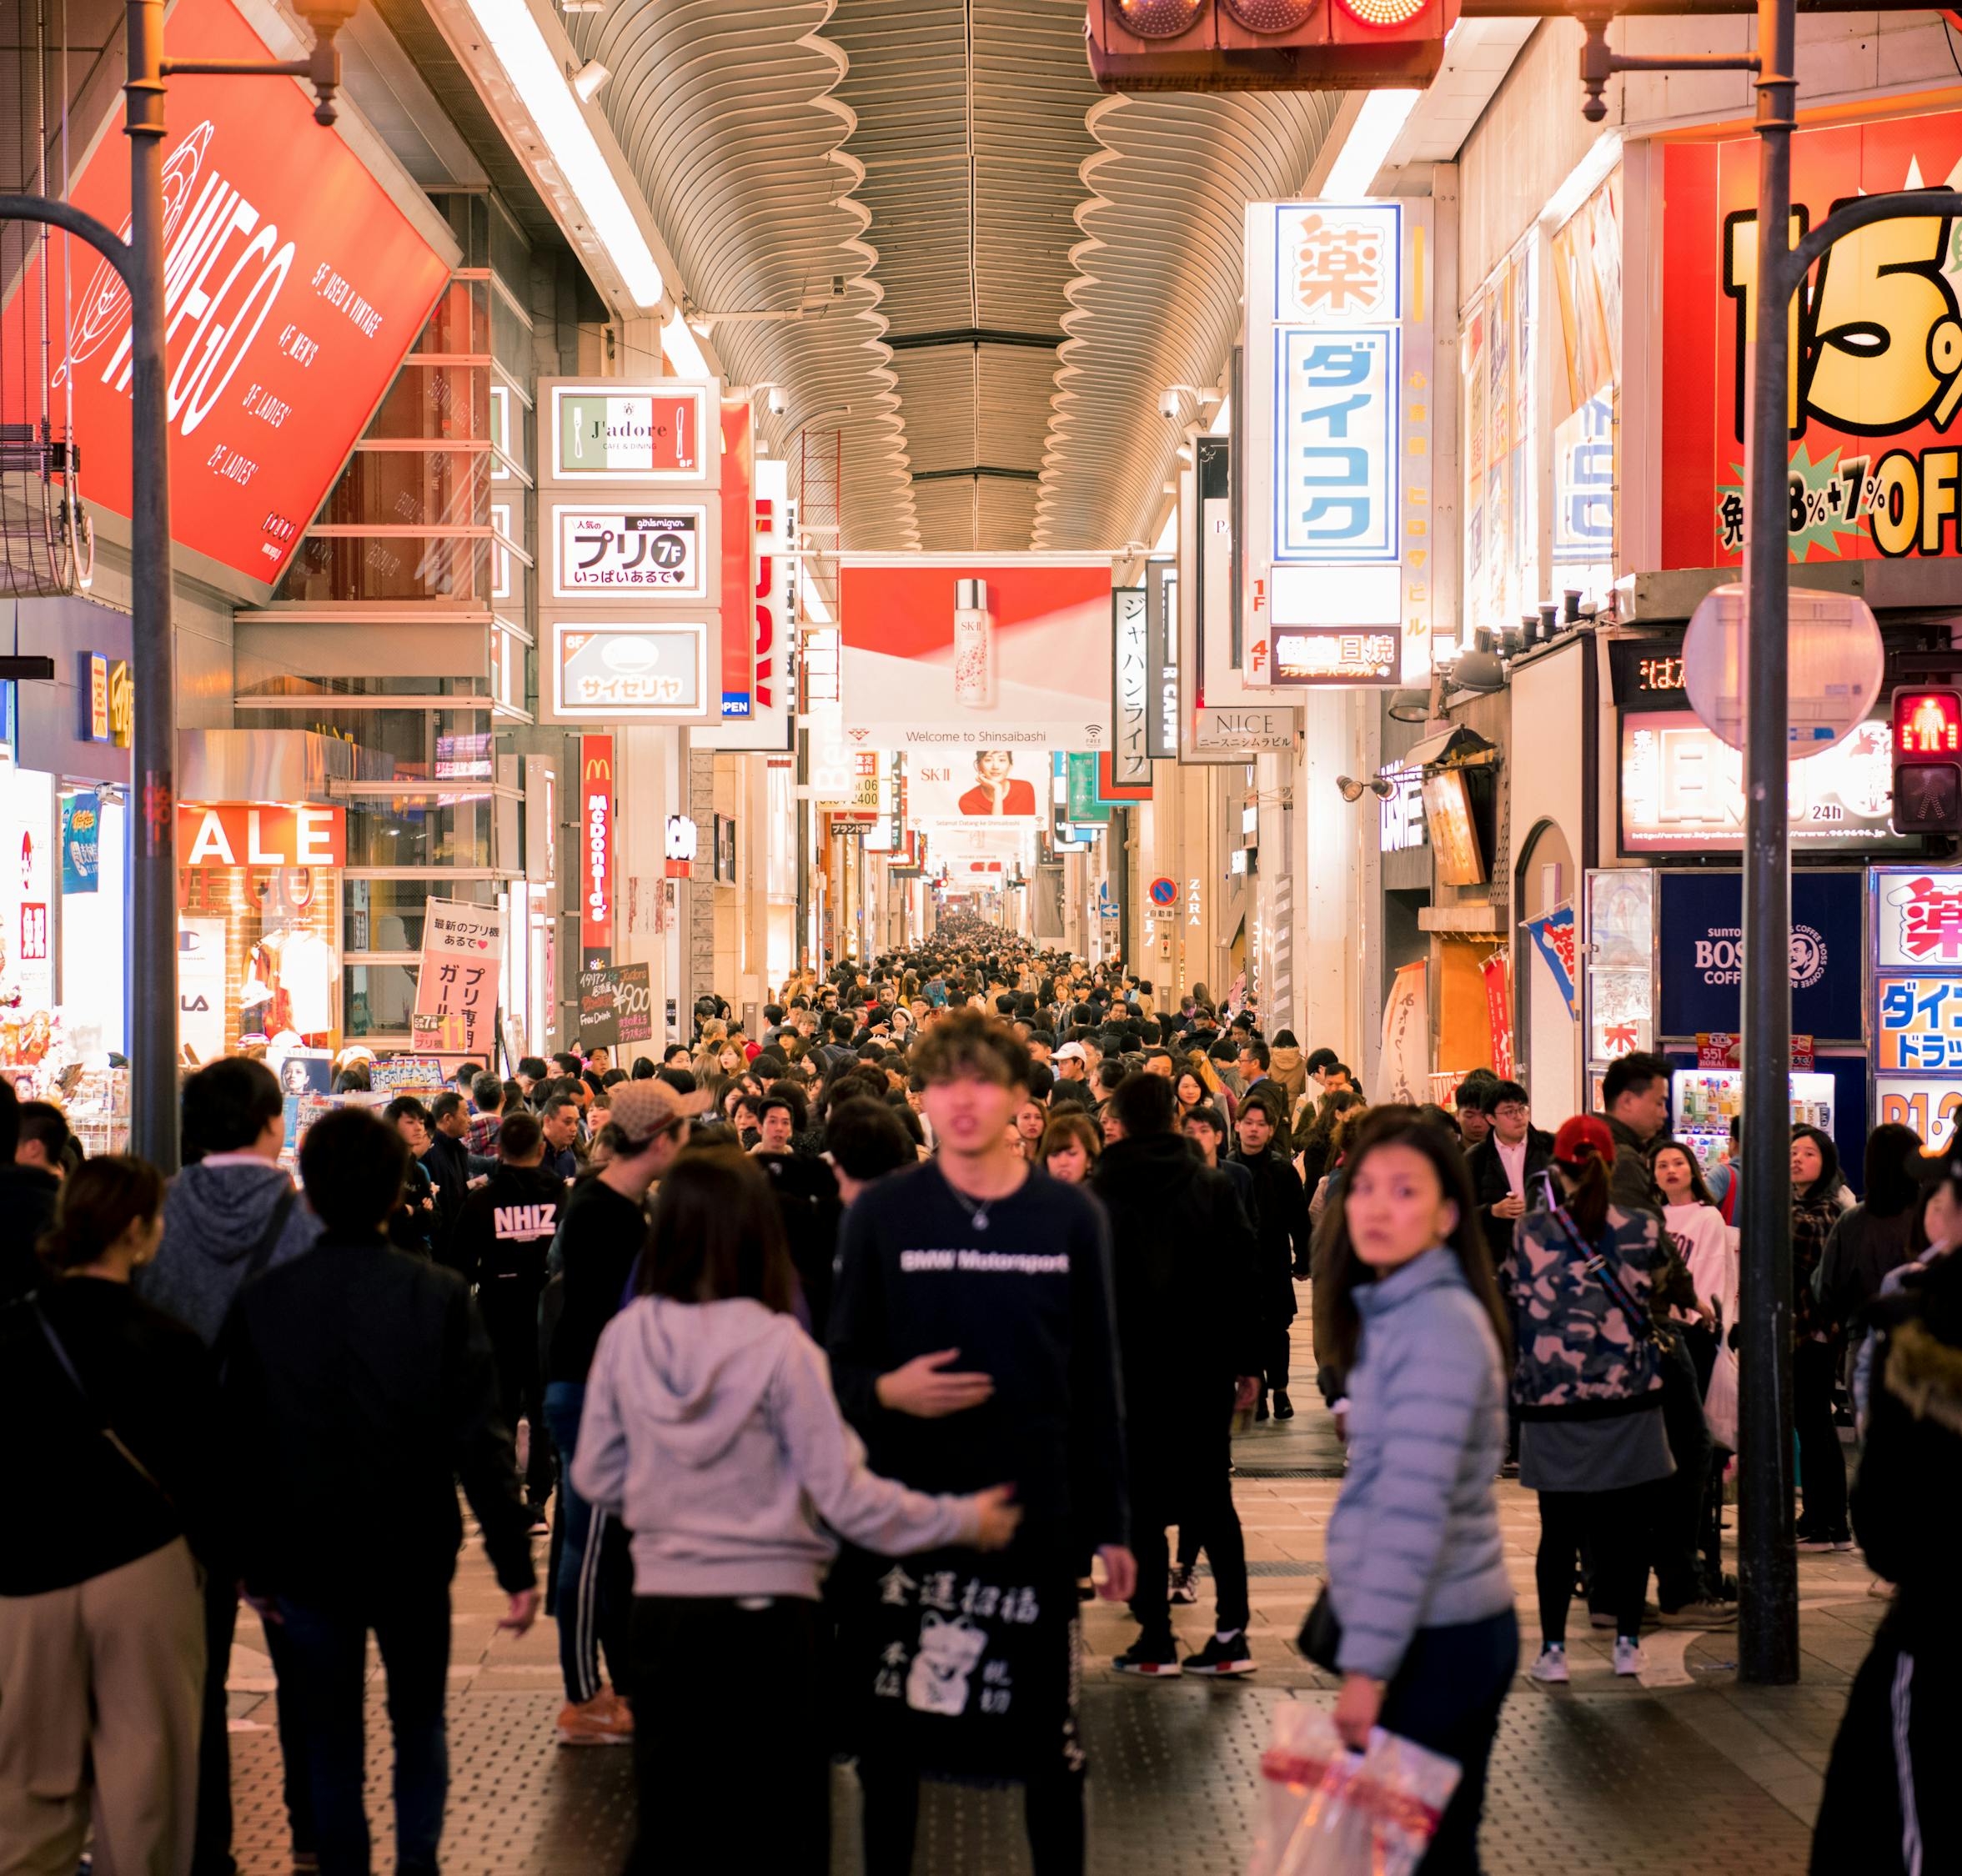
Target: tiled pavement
[(1685, 1774)]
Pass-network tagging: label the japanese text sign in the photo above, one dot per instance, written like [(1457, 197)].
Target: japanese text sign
[(612, 432), (603, 671), (1308, 654), (293, 289), (1876, 380), (456, 990), (605, 552), (1337, 457), (1130, 760)]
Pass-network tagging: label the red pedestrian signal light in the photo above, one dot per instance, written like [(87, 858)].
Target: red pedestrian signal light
[(1267, 45), (1928, 759)]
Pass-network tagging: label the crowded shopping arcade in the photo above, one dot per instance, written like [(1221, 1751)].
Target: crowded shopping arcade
[(980, 937)]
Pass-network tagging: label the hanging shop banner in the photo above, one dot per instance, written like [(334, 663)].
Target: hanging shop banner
[(1403, 1072), (1682, 789), (605, 431), (1495, 361), (615, 1006), (1161, 649), (1339, 309), (201, 988), (990, 785), (1238, 732), (293, 287), (941, 652), (1620, 983), (1497, 973), (737, 699), (1326, 655), (1109, 789), (456, 988), (772, 618), (1877, 364), (81, 818), (1552, 938), (598, 840), (1700, 948), (1131, 689), (1083, 805), (669, 552), (1586, 256), (248, 834), (648, 669)]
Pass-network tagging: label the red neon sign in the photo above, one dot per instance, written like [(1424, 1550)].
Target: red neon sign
[(1927, 723), (596, 843), (293, 289)]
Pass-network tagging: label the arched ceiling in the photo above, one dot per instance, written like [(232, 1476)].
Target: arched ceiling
[(994, 268)]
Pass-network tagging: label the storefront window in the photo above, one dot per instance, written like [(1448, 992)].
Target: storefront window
[(258, 956)]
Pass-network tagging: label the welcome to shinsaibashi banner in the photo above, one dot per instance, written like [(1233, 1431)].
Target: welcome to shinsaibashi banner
[(1877, 364)]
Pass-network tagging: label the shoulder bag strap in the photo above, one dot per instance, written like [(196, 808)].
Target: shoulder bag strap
[(58, 1349), (1640, 1324), (269, 1238)]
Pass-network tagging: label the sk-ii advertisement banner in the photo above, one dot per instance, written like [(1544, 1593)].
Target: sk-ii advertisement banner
[(82, 816), (1876, 348), (1701, 957)]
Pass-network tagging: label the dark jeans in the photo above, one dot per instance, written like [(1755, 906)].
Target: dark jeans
[(211, 1854), (329, 1649), (1179, 1476), (1052, 1807), (1446, 1696), (1889, 1789), (716, 1675), (595, 1574), (1822, 1462), (1676, 1503), (1612, 1526)]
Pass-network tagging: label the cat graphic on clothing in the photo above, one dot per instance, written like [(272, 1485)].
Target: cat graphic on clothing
[(949, 1652)]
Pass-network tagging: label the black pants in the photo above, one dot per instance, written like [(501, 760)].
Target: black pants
[(1889, 1808), (1446, 1696), (1822, 1462), (211, 1854), (1279, 1344), (1676, 1503), (709, 1676), (1613, 1526), (1179, 1476), (513, 1325), (1052, 1803)]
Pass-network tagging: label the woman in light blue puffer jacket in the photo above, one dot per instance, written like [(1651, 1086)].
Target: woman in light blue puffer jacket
[(1417, 1577)]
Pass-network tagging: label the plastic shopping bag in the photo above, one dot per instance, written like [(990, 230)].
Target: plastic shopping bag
[(1327, 1811), (1720, 1398)]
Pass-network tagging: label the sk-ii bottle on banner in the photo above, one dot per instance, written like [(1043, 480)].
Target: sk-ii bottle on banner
[(973, 645)]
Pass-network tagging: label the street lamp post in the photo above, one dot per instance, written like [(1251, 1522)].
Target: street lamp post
[(1768, 1612), (150, 982)]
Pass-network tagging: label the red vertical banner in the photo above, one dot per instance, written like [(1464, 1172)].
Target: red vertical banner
[(597, 840), (1497, 971), (739, 547)]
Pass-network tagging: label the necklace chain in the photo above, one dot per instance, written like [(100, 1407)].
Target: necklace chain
[(978, 1212)]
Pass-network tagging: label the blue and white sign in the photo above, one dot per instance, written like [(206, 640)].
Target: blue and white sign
[(1336, 471)]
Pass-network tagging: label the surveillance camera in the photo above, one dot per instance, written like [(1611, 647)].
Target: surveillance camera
[(1168, 406), (778, 402)]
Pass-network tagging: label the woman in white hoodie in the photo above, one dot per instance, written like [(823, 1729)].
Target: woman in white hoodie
[(711, 1432)]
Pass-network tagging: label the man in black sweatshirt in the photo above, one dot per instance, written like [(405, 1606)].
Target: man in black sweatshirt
[(360, 1375), (972, 1341), (502, 1236), (1188, 1328)]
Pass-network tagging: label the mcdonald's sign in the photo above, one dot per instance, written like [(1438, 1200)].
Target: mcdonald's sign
[(596, 844)]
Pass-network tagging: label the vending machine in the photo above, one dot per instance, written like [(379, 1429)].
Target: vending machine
[(1703, 1102)]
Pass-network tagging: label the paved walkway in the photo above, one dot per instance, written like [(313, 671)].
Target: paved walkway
[(1684, 1774)]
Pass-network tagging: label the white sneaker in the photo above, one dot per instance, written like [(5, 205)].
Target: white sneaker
[(1628, 1657), (1551, 1667)]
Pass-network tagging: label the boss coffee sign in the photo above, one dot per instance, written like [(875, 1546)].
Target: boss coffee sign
[(293, 289)]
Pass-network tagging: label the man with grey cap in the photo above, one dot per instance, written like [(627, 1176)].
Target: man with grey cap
[(602, 1231)]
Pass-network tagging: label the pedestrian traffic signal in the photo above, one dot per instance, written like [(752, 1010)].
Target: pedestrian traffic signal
[(1267, 45), (1928, 759)]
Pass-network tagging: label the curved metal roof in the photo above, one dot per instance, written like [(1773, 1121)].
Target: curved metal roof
[(998, 268)]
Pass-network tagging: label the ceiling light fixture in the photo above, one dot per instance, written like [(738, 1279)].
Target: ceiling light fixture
[(1377, 126), (533, 74), (684, 349), (588, 79)]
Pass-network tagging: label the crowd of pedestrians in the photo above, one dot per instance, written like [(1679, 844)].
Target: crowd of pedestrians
[(845, 1358)]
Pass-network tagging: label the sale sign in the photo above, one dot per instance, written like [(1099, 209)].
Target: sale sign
[(293, 287), (247, 833), (1876, 334)]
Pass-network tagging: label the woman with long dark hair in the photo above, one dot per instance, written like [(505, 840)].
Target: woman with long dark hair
[(1817, 1341), (1587, 1380), (711, 1431), (1870, 1242), (1427, 1641)]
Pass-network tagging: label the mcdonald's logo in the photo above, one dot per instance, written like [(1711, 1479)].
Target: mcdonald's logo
[(598, 768), (595, 756)]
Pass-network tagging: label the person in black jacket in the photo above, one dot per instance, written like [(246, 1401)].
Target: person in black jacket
[(1280, 1226), (1505, 1165), (1888, 1806), (360, 1375), (500, 1242), (102, 1615), (28, 1194), (1183, 1265)]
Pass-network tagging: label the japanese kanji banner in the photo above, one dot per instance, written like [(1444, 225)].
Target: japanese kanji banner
[(1552, 938), (1877, 335), (456, 990), (1403, 1071)]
